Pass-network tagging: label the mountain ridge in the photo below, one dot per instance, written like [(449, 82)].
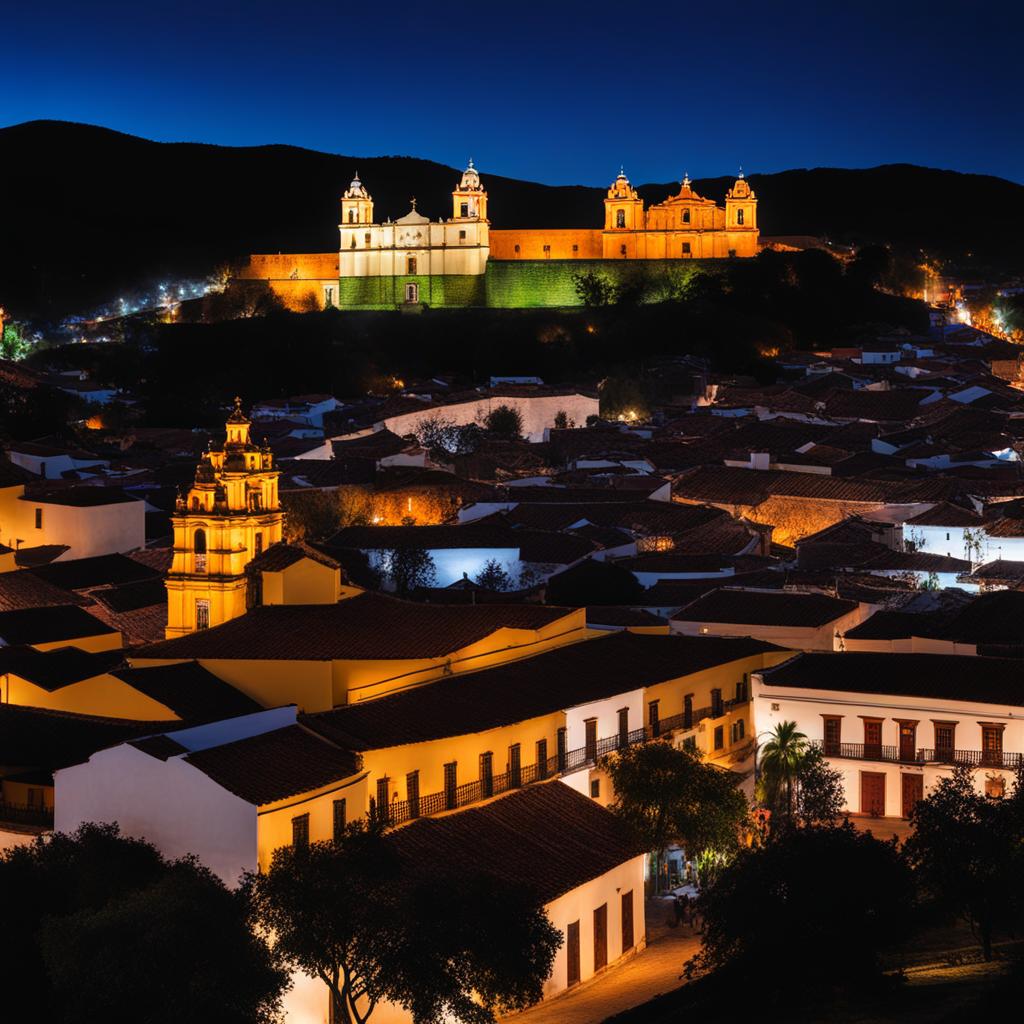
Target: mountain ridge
[(129, 210)]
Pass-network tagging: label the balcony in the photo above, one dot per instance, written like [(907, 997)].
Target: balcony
[(31, 815), (563, 763), (879, 752)]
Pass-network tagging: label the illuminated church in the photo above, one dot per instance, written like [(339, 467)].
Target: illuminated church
[(412, 262)]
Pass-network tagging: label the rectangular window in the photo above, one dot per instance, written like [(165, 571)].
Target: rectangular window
[(300, 831), (340, 819), (515, 767), (590, 725), (412, 793), (742, 688), (719, 737), (991, 744), (487, 774), (562, 751), (542, 759), (451, 785), (383, 803), (688, 711), (202, 613), (623, 727), (366, 239), (575, 249), (463, 212), (572, 954), (738, 730), (515, 249), (595, 788), (686, 248), (547, 250), (652, 718), (739, 216), (833, 728), (462, 236), (717, 709), (945, 740), (411, 268), (258, 545), (328, 298), (39, 518)]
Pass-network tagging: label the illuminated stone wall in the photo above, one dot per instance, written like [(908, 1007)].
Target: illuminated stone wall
[(529, 243)]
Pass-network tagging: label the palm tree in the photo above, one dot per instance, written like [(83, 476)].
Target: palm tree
[(779, 761)]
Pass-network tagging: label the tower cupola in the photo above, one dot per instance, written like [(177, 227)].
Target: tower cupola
[(623, 207), (356, 203), (469, 199)]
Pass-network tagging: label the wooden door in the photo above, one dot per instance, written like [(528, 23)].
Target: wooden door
[(601, 937), (627, 921), (872, 793), (572, 954), (913, 790), (872, 737), (908, 741)]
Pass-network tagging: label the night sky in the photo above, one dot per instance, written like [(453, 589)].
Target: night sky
[(555, 92)]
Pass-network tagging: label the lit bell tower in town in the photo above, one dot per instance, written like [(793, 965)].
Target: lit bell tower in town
[(356, 204), (469, 200), (229, 516)]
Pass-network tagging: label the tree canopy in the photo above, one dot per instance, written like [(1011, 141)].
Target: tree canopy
[(667, 794), (100, 927), (373, 929), (967, 852), (812, 908)]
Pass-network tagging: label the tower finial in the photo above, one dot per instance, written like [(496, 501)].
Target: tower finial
[(686, 179), (470, 163), (413, 201), (741, 171)]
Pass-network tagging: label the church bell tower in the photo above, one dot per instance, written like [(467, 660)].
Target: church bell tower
[(469, 200), (229, 516)]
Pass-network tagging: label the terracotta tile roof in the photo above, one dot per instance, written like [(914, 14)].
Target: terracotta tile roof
[(751, 487), (553, 681), (899, 625), (619, 615), (79, 497), (765, 608), (275, 765), (547, 839), (938, 676), (55, 669), (370, 626), (162, 747), (281, 556), (46, 625), (100, 570), (189, 690), (945, 513), (23, 589), (41, 738), (992, 618)]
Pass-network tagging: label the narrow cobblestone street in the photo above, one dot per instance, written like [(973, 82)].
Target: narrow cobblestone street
[(648, 974)]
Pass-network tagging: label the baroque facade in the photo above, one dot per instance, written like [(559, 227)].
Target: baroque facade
[(460, 261)]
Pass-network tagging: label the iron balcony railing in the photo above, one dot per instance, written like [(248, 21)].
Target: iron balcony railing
[(562, 763), (880, 752), (975, 758), (26, 814)]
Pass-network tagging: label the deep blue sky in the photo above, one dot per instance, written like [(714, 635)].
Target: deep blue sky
[(556, 92)]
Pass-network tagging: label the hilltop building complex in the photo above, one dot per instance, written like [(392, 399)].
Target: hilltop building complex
[(460, 261)]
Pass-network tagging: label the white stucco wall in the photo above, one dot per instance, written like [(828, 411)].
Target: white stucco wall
[(169, 803), (809, 638), (773, 705), (538, 413)]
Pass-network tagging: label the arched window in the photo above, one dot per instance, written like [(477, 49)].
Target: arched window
[(739, 216), (195, 503), (620, 218), (199, 547), (412, 265), (351, 216), (686, 216)]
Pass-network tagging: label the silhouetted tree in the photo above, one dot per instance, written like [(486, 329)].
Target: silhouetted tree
[(667, 794), (100, 927), (819, 790), (505, 421), (372, 928), (493, 576), (807, 912), (967, 852), (409, 568)]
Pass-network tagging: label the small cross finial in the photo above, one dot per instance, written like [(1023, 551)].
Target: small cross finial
[(686, 179), (741, 170), (238, 403), (413, 201), (471, 163)]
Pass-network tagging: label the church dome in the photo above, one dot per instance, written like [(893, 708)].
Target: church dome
[(470, 179), (356, 190)]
